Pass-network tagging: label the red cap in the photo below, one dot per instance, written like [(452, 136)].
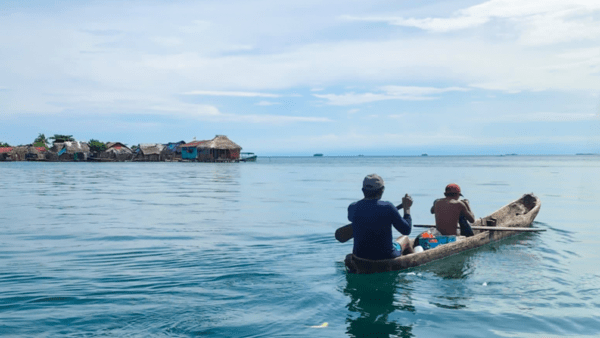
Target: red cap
[(453, 188)]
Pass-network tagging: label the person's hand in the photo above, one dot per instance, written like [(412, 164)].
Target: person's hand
[(407, 201)]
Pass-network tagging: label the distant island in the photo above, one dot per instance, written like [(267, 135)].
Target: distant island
[(586, 154), (318, 155)]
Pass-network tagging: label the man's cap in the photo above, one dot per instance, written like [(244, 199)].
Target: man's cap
[(373, 182), (453, 188)]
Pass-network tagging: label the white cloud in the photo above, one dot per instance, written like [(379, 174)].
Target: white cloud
[(407, 93), (431, 24), (267, 103), (111, 61), (414, 91), (540, 21), (213, 114), (548, 117), (168, 41), (195, 27), (226, 93)]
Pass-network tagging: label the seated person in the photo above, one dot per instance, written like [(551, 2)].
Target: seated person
[(372, 221), (450, 212)]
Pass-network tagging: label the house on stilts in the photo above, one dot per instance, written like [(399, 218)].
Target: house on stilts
[(219, 149)]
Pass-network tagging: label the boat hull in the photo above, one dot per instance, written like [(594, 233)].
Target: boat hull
[(519, 213)]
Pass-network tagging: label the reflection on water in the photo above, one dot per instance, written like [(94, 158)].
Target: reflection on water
[(373, 298)]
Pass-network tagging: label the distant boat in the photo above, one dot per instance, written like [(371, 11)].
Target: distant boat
[(318, 155), (247, 157)]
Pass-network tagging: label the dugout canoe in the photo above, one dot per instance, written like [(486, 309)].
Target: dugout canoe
[(517, 214)]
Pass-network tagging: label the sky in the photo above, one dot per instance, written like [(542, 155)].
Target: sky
[(295, 78)]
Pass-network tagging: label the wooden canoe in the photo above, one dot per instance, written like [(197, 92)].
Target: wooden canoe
[(519, 213)]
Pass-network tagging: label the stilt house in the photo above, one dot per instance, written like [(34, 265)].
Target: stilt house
[(148, 152), (219, 149), (116, 151)]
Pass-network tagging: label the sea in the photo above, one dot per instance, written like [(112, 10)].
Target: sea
[(248, 250)]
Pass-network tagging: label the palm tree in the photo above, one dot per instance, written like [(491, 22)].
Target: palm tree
[(40, 141), (62, 138)]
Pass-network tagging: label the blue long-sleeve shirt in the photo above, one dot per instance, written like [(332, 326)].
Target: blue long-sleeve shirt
[(372, 222)]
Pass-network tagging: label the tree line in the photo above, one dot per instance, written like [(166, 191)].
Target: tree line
[(42, 141)]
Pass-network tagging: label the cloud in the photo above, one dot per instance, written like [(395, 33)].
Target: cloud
[(213, 114), (168, 41), (407, 93), (226, 93), (540, 21), (267, 103), (430, 24), (195, 27), (549, 117), (103, 32)]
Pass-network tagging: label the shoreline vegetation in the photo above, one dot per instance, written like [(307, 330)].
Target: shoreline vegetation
[(66, 149)]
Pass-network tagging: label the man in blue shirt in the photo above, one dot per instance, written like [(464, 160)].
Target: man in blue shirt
[(372, 221)]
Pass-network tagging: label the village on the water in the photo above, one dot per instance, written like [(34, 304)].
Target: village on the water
[(64, 148)]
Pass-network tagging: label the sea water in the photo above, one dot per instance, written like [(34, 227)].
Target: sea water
[(247, 250)]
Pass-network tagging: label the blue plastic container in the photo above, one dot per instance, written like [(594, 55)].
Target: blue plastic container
[(430, 243)]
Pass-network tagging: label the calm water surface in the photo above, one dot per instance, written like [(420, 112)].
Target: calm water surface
[(247, 250)]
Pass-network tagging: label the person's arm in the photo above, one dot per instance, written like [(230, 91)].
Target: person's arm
[(469, 215), (351, 212), (403, 224), (433, 206)]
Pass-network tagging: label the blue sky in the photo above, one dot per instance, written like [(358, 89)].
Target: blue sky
[(301, 77)]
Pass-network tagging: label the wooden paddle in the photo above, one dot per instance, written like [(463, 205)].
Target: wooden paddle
[(344, 234), (488, 228)]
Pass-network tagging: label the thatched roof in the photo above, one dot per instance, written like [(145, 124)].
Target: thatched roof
[(22, 150), (115, 145), (193, 144), (72, 147), (220, 142), (151, 148), (118, 148)]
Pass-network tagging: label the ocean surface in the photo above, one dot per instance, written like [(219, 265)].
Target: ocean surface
[(247, 250)]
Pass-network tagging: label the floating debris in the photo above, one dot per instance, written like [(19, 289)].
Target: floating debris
[(325, 324)]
